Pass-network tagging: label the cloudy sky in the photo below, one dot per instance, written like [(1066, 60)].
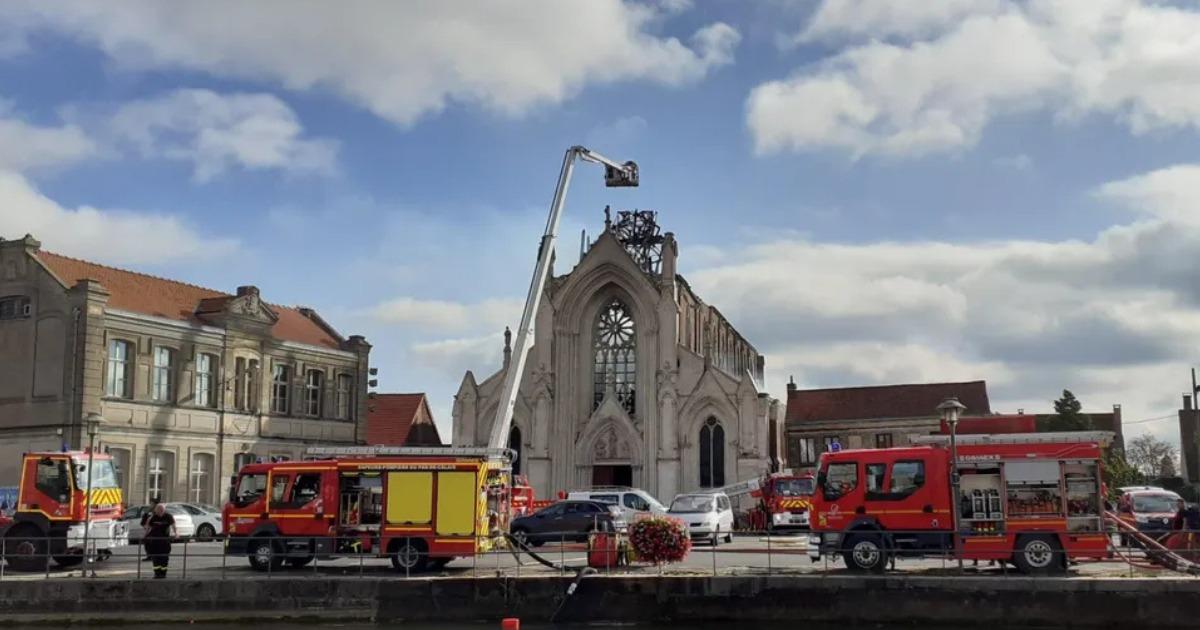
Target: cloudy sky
[(872, 191)]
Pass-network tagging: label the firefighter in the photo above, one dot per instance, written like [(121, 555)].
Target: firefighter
[(160, 529)]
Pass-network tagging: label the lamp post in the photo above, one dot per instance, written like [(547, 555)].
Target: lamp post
[(950, 410), (92, 423)]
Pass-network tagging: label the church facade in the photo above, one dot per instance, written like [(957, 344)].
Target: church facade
[(632, 379)]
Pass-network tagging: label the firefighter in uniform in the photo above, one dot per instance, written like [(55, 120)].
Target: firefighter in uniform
[(160, 529)]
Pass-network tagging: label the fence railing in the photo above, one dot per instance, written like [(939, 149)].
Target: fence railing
[(567, 553)]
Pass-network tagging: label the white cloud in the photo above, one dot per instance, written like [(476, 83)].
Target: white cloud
[(447, 316), (25, 146), (110, 236), (951, 68), (1114, 318), (399, 60), (216, 132), (453, 357)]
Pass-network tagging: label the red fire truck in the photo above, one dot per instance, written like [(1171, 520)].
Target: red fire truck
[(1030, 499), (419, 506), (52, 511), (783, 502)]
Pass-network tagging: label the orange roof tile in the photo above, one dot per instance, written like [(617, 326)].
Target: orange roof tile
[(390, 422), (151, 295)]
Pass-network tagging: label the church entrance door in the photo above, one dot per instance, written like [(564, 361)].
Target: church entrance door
[(612, 475)]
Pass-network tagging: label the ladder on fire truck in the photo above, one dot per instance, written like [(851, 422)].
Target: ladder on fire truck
[(411, 451)]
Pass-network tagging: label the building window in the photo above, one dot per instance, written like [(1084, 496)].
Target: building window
[(345, 391), (241, 459), (281, 378), (514, 444), (829, 441), (802, 451), (616, 364), (712, 454), (118, 383), (15, 307), (200, 488), (883, 440), (314, 381), (206, 375), (122, 460), (245, 388), (164, 374), (159, 477)]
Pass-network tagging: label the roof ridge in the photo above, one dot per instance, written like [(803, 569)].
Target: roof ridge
[(135, 273), (829, 389)]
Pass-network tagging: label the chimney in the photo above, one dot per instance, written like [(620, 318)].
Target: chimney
[(1187, 402), (791, 384), (247, 290)]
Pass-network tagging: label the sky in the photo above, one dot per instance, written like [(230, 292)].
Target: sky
[(871, 191)]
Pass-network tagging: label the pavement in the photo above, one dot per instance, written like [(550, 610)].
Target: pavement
[(747, 555)]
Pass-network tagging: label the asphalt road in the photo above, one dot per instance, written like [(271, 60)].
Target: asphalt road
[(745, 556)]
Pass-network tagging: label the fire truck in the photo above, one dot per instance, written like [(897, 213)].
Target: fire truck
[(54, 516), (1030, 499), (421, 507), (782, 500)]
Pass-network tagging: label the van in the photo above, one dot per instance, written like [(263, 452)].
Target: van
[(632, 501)]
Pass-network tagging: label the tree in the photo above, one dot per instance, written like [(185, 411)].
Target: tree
[(1068, 415), (1148, 454), (1118, 473)]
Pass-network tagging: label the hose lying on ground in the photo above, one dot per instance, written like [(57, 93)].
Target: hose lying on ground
[(581, 572)]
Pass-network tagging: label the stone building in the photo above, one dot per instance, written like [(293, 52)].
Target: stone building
[(870, 417), (632, 379), (191, 382)]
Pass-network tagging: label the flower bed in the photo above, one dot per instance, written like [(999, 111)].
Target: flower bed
[(659, 540)]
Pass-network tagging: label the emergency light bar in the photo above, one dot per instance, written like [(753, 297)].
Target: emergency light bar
[(1103, 438), (426, 451)]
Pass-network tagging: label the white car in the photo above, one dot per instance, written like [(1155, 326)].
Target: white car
[(191, 521), (707, 515), (632, 501)]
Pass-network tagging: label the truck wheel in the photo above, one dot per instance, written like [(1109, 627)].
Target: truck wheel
[(409, 555), (25, 549), (264, 554), (865, 553), (1038, 555)]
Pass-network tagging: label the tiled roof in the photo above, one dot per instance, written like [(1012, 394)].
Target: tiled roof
[(390, 422), (151, 295), (883, 401)]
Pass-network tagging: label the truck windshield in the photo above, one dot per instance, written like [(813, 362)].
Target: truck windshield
[(1155, 503), (249, 488), (103, 474), (794, 487)]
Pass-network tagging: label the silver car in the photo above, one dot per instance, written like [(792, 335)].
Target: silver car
[(191, 521)]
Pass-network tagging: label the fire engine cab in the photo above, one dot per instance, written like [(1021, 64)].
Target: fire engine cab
[(54, 517), (1030, 499), (421, 507)]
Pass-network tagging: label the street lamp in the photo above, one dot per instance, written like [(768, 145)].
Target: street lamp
[(92, 424), (950, 410)]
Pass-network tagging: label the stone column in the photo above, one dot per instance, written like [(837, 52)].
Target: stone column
[(90, 297)]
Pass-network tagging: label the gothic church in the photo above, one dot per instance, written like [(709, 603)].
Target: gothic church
[(632, 379)]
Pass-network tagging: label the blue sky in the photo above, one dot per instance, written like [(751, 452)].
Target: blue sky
[(872, 191)]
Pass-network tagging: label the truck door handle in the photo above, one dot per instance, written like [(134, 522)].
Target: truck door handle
[(860, 510), (928, 509), (264, 515)]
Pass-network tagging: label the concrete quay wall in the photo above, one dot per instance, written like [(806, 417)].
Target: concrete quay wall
[(959, 601)]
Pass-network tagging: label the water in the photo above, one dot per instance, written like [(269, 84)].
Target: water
[(329, 625)]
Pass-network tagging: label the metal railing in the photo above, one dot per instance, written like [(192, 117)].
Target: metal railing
[(746, 553)]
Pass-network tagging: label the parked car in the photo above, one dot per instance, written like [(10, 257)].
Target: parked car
[(191, 521), (567, 520), (632, 501), (707, 515), (1152, 510)]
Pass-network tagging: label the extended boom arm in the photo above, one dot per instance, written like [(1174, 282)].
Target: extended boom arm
[(615, 175)]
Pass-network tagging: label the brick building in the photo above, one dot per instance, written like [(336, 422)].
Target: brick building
[(401, 420)]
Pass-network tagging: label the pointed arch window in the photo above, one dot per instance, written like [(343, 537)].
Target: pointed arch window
[(615, 356), (712, 454), (514, 444)]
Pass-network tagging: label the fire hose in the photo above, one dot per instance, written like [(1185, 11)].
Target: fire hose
[(1168, 558), (582, 572)]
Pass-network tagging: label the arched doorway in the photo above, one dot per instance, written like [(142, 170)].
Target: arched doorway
[(712, 454), (514, 443)]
